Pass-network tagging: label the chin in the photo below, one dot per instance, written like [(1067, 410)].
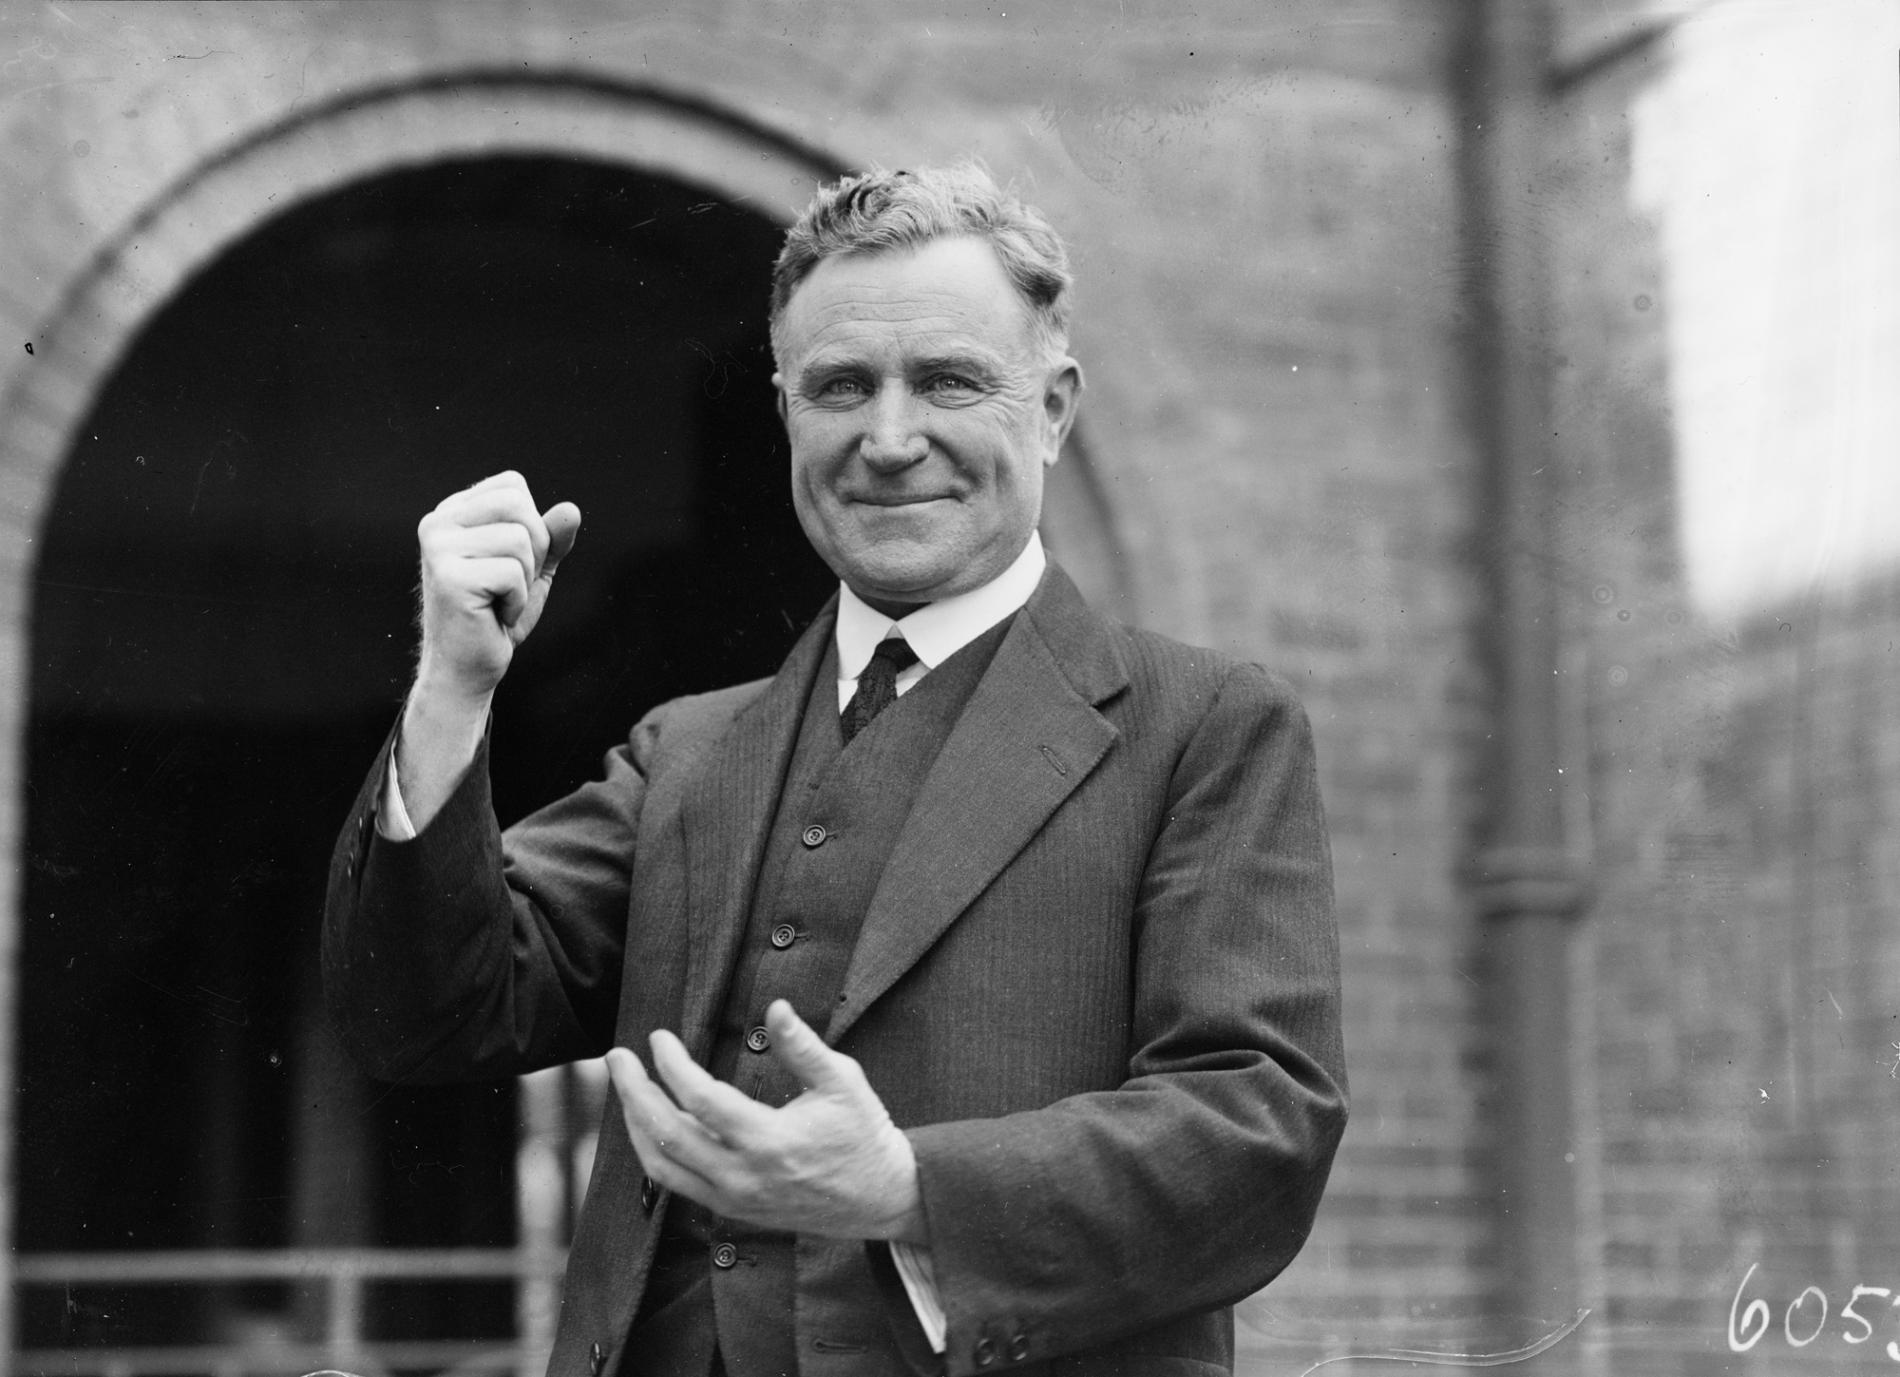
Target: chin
[(904, 574), (889, 589)]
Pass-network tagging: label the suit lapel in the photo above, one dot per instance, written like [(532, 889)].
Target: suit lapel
[(726, 816), (1028, 736)]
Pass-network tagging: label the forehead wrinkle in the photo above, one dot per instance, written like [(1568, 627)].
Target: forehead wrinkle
[(936, 343), (946, 315)]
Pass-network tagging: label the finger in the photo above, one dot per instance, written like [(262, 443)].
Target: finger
[(803, 1053), (657, 1130), (678, 1151), (723, 1111), (654, 1113), (494, 539), (503, 499), (506, 487), (563, 524), (498, 580), (507, 478)]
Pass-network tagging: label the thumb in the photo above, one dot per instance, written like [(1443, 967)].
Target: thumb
[(563, 521), (801, 1051)]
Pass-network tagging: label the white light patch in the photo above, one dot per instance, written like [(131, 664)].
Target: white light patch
[(1769, 157)]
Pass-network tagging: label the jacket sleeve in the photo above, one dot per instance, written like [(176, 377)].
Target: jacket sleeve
[(452, 957), (1195, 1181)]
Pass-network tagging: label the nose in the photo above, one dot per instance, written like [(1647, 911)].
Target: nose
[(893, 438)]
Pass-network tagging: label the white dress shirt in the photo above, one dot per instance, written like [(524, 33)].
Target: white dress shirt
[(936, 631)]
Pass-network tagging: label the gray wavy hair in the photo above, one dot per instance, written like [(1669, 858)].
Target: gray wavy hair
[(879, 211)]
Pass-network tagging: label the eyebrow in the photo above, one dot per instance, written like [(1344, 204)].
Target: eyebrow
[(816, 371), (964, 360)]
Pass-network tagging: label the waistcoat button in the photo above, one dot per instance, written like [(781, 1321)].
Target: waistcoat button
[(725, 1255), (596, 1360), (815, 835), (649, 1194), (758, 1039), (985, 1352), (784, 935)]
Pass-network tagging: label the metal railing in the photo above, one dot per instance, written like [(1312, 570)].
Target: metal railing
[(343, 1276)]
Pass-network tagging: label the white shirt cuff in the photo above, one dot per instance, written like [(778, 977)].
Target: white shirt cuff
[(392, 819), (919, 1275)]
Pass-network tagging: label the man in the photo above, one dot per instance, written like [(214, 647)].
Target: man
[(983, 960)]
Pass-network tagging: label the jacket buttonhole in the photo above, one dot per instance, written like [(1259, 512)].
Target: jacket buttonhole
[(1054, 760)]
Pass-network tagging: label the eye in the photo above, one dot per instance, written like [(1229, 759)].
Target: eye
[(951, 385), (839, 388)]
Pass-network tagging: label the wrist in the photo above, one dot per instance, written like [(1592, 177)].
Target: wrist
[(440, 720), (904, 1220), (449, 691), (441, 733)]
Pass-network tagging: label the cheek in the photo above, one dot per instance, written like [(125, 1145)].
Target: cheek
[(808, 439), (808, 497), (818, 443)]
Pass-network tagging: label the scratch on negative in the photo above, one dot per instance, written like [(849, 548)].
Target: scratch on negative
[(1413, 1355)]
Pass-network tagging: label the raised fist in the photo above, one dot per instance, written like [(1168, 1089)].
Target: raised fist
[(488, 560)]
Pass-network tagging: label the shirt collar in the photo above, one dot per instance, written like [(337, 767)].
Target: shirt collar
[(938, 630)]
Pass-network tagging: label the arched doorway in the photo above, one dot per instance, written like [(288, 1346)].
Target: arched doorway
[(221, 636)]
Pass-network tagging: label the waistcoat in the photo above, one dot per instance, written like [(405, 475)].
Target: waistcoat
[(840, 812)]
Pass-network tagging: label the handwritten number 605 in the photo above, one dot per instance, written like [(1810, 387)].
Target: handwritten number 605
[(1747, 1323)]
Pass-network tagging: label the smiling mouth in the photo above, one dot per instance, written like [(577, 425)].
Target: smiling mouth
[(917, 500)]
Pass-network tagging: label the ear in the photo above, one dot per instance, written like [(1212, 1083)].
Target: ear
[(1060, 396)]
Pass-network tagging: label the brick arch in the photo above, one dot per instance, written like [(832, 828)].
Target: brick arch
[(306, 155)]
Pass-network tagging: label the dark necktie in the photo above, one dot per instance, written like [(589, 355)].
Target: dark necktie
[(877, 686)]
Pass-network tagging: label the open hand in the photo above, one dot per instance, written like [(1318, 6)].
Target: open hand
[(831, 1162)]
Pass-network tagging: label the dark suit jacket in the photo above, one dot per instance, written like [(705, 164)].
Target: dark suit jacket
[(1098, 985)]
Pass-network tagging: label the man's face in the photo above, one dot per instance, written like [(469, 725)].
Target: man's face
[(921, 416)]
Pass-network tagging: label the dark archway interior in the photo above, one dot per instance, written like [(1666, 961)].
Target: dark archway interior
[(222, 634)]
